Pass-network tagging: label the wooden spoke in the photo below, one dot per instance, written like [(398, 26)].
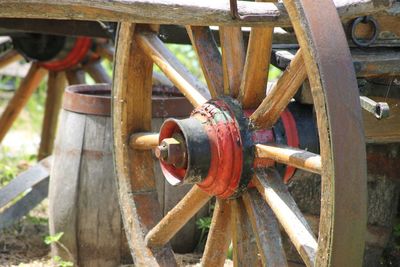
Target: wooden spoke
[(245, 251), (9, 57), (276, 194), (255, 75), (281, 94), (298, 158), (55, 89), (190, 87), (76, 76), (266, 229), (20, 98), (97, 72), (143, 141), (219, 236), (176, 218), (209, 56), (233, 58)]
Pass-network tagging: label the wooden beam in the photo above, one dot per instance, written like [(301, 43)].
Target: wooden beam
[(20, 98), (281, 93), (176, 218), (209, 57), (276, 194), (155, 49), (143, 141), (290, 156), (219, 236), (97, 72), (208, 12), (55, 89), (9, 57)]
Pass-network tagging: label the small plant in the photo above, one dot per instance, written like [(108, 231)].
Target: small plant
[(55, 239), (203, 224)]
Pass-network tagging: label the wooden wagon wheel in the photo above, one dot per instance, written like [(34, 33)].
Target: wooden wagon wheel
[(199, 150), (71, 59)]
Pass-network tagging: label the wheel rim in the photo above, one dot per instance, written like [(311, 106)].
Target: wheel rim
[(334, 89)]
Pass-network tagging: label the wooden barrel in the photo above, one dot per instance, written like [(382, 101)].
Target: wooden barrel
[(83, 198)]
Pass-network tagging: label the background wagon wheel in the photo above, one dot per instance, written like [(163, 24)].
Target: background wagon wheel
[(240, 213), (65, 60)]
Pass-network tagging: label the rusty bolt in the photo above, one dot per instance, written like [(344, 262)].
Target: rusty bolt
[(171, 151)]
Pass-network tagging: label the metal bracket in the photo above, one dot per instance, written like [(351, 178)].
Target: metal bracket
[(379, 109)]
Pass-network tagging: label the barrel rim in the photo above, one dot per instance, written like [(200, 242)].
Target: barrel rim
[(96, 100)]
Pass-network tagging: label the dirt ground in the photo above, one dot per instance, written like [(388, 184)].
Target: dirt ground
[(23, 244)]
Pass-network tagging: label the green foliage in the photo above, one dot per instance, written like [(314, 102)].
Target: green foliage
[(61, 263), (50, 239), (12, 164), (58, 261)]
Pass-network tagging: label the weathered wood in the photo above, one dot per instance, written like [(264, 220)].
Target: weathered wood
[(374, 62), (106, 50), (9, 57), (193, 201), (298, 158), (25, 181), (172, 12), (245, 251), (276, 194), (209, 57), (97, 72), (143, 141), (20, 98), (281, 94), (219, 236), (266, 229), (63, 213), (55, 89), (190, 87), (132, 90), (255, 76), (88, 215), (26, 204), (233, 58)]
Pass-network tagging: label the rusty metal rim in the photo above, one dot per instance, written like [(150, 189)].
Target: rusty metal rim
[(96, 100)]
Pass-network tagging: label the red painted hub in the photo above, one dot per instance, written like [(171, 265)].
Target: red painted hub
[(219, 148), (78, 53)]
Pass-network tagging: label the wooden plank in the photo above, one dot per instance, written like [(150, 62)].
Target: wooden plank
[(62, 192), (207, 12), (190, 87), (276, 194), (295, 157), (193, 201), (219, 236), (209, 57), (20, 98), (233, 58), (56, 83), (97, 72), (99, 218), (25, 180), (255, 75), (245, 251), (375, 62), (281, 94), (26, 204), (266, 229)]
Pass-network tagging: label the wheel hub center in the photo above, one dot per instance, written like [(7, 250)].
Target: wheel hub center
[(213, 148)]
